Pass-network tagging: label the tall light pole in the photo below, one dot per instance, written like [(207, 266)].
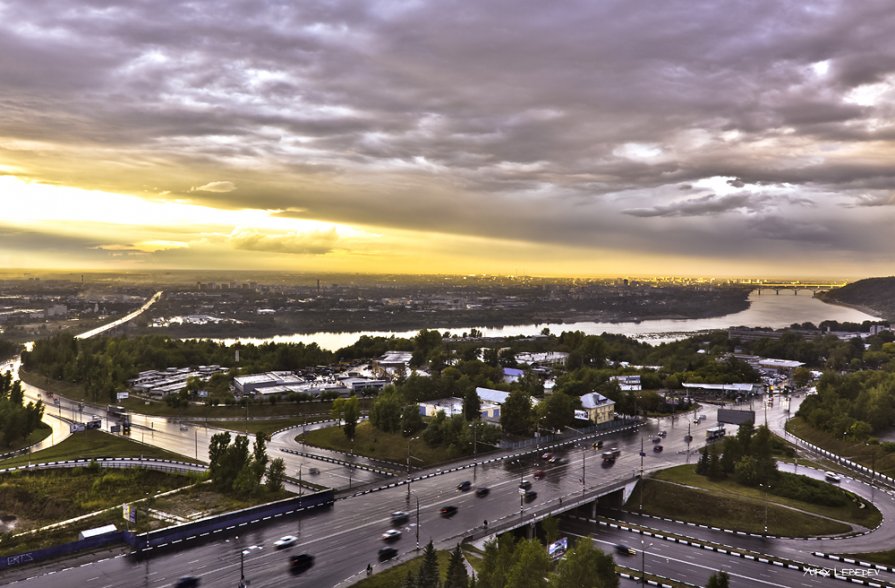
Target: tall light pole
[(408, 466), (583, 478), (299, 499), (765, 487), (417, 520)]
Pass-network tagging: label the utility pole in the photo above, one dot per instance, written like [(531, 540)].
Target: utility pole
[(642, 550)]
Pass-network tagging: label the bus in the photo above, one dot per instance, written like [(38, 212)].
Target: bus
[(715, 433)]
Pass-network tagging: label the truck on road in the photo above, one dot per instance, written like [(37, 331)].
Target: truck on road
[(715, 433), (611, 454)]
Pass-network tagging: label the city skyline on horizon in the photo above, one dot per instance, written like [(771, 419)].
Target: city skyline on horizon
[(592, 141)]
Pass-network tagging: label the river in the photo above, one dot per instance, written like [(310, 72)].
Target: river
[(765, 310)]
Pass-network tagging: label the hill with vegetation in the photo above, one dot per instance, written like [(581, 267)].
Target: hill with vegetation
[(873, 295)]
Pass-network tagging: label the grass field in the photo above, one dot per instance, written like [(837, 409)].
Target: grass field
[(90, 444), (887, 558), (41, 498), (372, 442), (396, 575), (39, 434), (728, 505), (884, 462)]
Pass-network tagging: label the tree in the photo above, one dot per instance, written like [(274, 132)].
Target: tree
[(348, 411), (411, 419), (428, 576), (457, 577), (516, 415), (550, 527), (586, 567), (530, 567), (718, 580), (557, 411), (259, 456), (276, 475), (472, 405), (386, 412), (496, 562)]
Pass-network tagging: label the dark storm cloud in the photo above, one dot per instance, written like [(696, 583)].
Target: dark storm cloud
[(569, 123)]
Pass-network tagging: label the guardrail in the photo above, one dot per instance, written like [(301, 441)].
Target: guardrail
[(165, 465)]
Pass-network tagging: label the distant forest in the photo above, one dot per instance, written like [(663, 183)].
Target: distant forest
[(875, 295)]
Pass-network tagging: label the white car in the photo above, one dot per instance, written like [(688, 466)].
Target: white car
[(831, 477), (391, 535), (287, 541)]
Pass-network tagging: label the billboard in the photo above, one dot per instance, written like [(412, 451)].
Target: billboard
[(121, 395), (128, 512), (581, 415), (736, 417), (558, 548)]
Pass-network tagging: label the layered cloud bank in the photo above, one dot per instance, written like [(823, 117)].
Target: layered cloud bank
[(575, 138)]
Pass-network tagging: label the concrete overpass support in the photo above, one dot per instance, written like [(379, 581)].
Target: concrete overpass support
[(628, 490)]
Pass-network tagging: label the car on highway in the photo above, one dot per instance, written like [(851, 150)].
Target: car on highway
[(663, 434), (624, 549), (464, 485), (313, 471), (284, 542), (391, 535), (482, 491), (539, 474), (525, 484), (187, 582), (448, 511), (656, 439), (387, 553), (530, 495), (547, 456), (301, 563), (657, 448), (832, 477), (399, 517)]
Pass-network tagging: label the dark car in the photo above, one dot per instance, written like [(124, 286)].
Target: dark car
[(530, 495), (625, 550), (525, 484), (657, 448), (608, 463), (539, 474), (301, 563), (400, 517), (387, 553), (482, 491), (187, 582), (657, 439), (448, 511), (464, 485)]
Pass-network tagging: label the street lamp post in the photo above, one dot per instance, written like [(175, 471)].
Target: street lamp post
[(764, 488), (408, 466), (417, 520)]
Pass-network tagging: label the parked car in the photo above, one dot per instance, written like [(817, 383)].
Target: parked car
[(391, 535), (301, 563), (387, 553), (482, 491), (448, 511), (833, 477), (187, 582), (525, 484), (464, 485), (284, 542), (400, 517)]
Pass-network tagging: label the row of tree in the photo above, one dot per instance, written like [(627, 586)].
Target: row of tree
[(234, 469), (854, 405), (748, 457), (17, 420)]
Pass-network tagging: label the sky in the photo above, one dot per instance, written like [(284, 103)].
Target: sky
[(577, 138)]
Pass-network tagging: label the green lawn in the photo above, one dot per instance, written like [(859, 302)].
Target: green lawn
[(39, 434), (726, 504), (372, 442), (40, 498), (395, 576), (93, 443), (859, 452)]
